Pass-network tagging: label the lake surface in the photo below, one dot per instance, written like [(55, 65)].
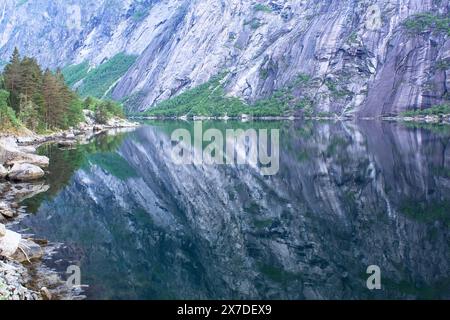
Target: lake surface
[(346, 196)]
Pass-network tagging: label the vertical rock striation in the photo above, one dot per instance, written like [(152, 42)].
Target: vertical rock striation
[(360, 57)]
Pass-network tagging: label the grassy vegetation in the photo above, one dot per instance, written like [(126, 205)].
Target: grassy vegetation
[(75, 73), (209, 99), (139, 15), (443, 64), (255, 23), (428, 22), (427, 212), (335, 91), (262, 224), (8, 120), (278, 274), (442, 109), (21, 3), (97, 81), (262, 7)]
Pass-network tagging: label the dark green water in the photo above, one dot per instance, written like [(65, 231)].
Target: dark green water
[(346, 197)]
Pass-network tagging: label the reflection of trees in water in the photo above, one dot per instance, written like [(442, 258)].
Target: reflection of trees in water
[(346, 197), (65, 162)]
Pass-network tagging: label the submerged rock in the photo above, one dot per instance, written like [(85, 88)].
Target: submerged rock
[(25, 172), (67, 143), (23, 191), (5, 210), (27, 251)]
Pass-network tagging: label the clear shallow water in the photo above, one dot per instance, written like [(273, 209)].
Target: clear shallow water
[(346, 196)]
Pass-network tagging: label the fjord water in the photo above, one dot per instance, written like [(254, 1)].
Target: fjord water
[(346, 196)]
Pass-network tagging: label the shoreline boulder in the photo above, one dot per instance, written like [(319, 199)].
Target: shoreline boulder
[(2, 230), (29, 251), (25, 172), (3, 172), (9, 243), (10, 154), (5, 210)]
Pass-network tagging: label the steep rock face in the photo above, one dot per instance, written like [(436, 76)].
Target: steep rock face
[(59, 33), (358, 54)]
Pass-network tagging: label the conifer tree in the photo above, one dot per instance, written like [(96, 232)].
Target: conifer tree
[(12, 77)]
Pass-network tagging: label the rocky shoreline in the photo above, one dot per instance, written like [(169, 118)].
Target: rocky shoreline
[(22, 276)]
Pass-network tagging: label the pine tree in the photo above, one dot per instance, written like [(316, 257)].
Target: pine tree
[(41, 100), (31, 77), (12, 77)]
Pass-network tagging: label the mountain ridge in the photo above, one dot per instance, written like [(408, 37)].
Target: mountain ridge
[(365, 58)]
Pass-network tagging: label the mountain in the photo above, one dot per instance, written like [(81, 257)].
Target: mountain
[(361, 57)]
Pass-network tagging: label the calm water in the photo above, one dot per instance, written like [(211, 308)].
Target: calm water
[(346, 197)]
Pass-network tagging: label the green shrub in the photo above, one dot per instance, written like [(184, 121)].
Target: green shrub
[(99, 80), (443, 64), (262, 7), (104, 110), (209, 99), (8, 118), (428, 22), (75, 73), (442, 109)]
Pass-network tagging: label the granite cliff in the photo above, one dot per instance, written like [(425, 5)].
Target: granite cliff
[(361, 57)]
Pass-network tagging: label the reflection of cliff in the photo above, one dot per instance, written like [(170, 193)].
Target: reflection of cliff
[(343, 200)]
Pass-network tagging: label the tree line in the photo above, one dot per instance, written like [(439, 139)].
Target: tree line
[(42, 101)]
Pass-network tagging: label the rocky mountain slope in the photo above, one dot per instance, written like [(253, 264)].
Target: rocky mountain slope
[(363, 57)]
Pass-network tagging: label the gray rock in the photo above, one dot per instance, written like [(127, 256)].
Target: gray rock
[(3, 172), (67, 143), (28, 149), (5, 210), (2, 230), (13, 279), (25, 172), (372, 59), (27, 251), (11, 154), (46, 294), (23, 191), (9, 243)]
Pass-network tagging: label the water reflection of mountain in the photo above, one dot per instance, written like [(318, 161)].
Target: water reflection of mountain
[(347, 196)]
